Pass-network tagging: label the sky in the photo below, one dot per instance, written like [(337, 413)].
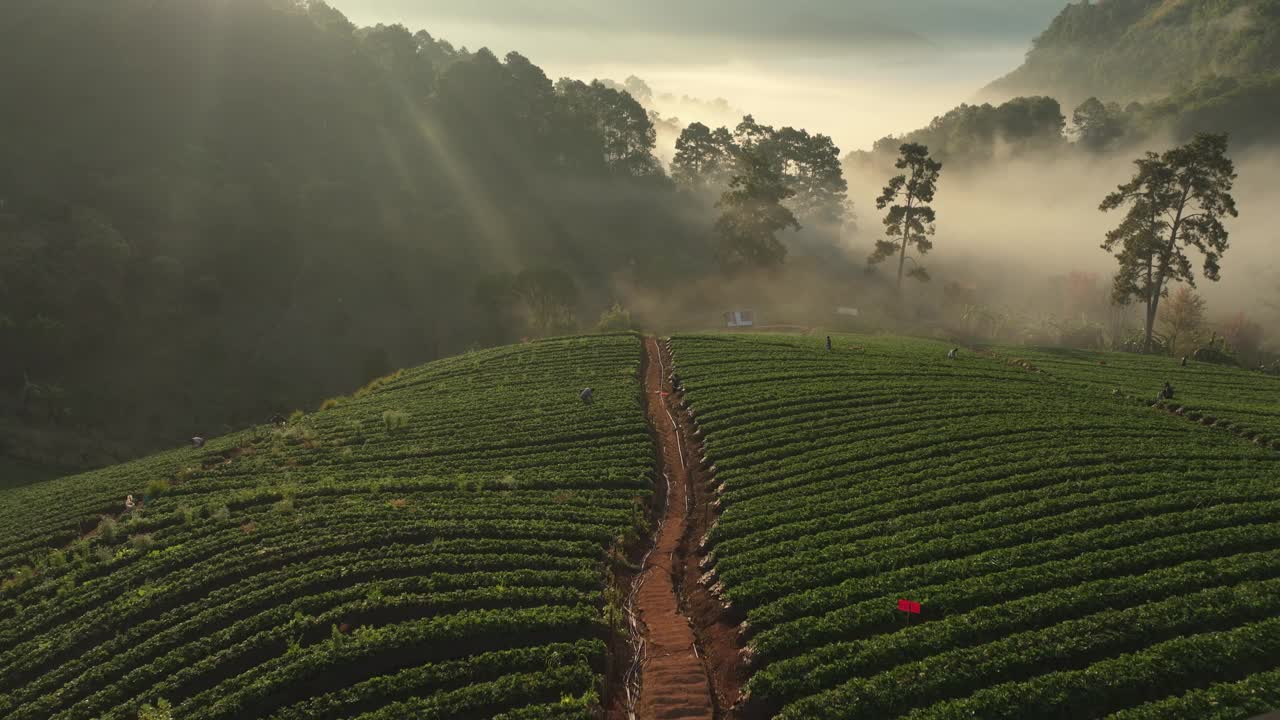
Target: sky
[(853, 69)]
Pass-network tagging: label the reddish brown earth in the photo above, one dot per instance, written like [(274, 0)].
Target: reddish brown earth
[(690, 664), (715, 625), (673, 680)]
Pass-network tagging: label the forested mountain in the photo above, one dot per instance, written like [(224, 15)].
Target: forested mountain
[(1134, 69), (214, 211), (972, 134), (1126, 50), (1113, 75)]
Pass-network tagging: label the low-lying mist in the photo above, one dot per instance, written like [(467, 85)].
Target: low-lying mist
[(1007, 228), (1018, 239)]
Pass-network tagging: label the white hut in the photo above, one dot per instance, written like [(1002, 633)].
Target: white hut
[(740, 318)]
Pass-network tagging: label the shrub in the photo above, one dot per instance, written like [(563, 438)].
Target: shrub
[(394, 420), (19, 577), (376, 383), (616, 319), (142, 542), (79, 551), (284, 506), (55, 559), (108, 529), (162, 710), (1211, 354), (158, 487), (329, 404)]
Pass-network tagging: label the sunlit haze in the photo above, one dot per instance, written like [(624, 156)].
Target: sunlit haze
[(854, 70), (616, 359)]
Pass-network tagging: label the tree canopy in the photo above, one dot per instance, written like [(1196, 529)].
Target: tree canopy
[(752, 214), (910, 220), (980, 133), (265, 196), (808, 165), (1177, 202)]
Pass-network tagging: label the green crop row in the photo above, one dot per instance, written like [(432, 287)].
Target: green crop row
[(1030, 515), (1137, 677), (439, 541), (1064, 646), (976, 612)]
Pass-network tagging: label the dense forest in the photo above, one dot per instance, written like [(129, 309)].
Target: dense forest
[(276, 205), (1130, 71), (1127, 50), (214, 211)]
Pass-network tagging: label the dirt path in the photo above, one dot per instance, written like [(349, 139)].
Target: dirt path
[(673, 679)]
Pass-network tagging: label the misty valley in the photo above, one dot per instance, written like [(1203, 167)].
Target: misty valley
[(386, 359)]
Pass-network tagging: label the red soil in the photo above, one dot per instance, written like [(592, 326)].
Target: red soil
[(691, 666)]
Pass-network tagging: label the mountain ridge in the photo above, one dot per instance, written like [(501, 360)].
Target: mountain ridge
[(1125, 50)]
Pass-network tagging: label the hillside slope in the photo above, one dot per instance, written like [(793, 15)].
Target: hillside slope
[(280, 206), (1127, 50), (434, 546), (1245, 402), (1074, 554)]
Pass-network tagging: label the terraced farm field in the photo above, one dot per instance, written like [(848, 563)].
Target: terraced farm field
[(435, 546), (1246, 402), (1074, 554)]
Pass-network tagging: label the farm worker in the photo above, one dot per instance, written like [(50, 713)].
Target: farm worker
[(197, 442), (128, 503), (1167, 392), (676, 382), (587, 395), (1184, 361), (828, 343), (277, 420), (951, 354)]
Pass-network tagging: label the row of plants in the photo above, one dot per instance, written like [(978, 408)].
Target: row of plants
[(1044, 528), (1028, 657), (438, 543), (1233, 398)]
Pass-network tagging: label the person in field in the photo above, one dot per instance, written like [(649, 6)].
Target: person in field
[(197, 442), (1166, 393), (587, 395), (128, 503), (1184, 361), (828, 343), (677, 383), (951, 354)]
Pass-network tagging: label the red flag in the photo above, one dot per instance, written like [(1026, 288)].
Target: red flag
[(908, 606)]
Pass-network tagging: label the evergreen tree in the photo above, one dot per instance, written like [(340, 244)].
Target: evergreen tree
[(1177, 201), (910, 220)]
